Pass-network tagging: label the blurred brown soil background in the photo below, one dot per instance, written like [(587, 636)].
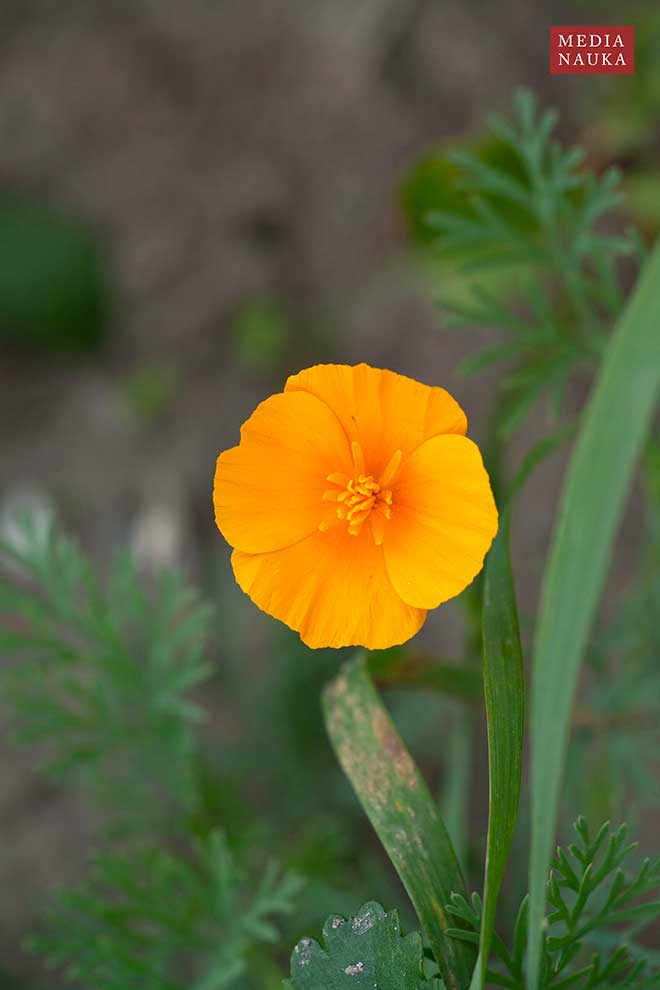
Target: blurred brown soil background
[(228, 149)]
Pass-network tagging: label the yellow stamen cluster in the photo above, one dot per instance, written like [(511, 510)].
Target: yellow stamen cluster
[(361, 497)]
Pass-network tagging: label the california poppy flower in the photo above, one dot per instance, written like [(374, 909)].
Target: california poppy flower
[(354, 503)]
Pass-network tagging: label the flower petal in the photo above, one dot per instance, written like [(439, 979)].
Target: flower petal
[(443, 521), (268, 491), (383, 410), (332, 588)]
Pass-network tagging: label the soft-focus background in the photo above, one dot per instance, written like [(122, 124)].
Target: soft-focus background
[(197, 199)]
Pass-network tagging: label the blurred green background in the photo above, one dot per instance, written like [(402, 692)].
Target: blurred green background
[(195, 201)]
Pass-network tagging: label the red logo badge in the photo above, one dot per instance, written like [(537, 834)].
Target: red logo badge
[(592, 50)]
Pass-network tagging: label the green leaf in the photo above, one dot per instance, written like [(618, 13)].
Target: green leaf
[(400, 807), (504, 690), (612, 432), (367, 951)]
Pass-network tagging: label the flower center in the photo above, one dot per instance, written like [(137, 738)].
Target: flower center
[(361, 497), (357, 500)]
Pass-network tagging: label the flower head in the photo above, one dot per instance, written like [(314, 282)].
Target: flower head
[(354, 503)]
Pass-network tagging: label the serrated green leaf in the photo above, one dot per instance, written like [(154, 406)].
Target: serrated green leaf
[(613, 428), (367, 952), (504, 691), (400, 807)]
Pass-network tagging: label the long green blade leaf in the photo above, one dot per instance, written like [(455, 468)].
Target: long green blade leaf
[(612, 432), (504, 690), (400, 808)]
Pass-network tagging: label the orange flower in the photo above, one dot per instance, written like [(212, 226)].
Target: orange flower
[(354, 502)]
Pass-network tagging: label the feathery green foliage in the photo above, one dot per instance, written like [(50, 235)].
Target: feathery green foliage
[(144, 917), (101, 677), (524, 205), (588, 892)]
